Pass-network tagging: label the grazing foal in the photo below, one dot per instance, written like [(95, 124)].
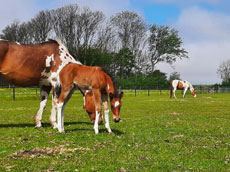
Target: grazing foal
[(87, 78), (181, 85), (89, 106)]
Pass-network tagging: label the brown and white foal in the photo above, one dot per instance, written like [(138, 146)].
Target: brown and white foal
[(87, 78)]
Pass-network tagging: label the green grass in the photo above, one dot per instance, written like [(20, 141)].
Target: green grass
[(156, 134)]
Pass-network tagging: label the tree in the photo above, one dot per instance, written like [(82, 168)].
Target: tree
[(130, 28), (224, 72), (64, 24), (40, 26), (174, 75), (164, 46), (77, 28), (124, 62), (106, 38), (16, 32), (91, 22)]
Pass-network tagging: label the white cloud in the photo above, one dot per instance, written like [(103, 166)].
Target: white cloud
[(197, 24), (207, 39)]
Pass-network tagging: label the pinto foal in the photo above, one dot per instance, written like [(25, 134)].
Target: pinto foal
[(87, 78), (181, 85)]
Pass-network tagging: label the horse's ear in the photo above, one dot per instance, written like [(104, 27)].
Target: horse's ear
[(111, 96), (121, 94)]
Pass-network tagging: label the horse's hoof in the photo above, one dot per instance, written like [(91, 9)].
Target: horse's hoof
[(36, 127), (96, 131), (54, 127)]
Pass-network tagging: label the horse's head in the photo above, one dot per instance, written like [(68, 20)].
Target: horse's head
[(194, 93), (115, 102)]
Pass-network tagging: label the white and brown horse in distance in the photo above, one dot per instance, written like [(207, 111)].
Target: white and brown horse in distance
[(35, 65), (95, 80), (181, 85)]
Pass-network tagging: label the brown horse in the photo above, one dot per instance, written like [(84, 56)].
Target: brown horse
[(89, 106), (88, 78), (33, 65)]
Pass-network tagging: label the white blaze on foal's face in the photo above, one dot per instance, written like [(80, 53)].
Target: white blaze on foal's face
[(116, 104)]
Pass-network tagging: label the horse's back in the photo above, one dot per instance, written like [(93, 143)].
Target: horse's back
[(21, 64)]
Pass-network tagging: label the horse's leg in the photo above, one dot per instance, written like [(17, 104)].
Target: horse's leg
[(64, 97), (171, 90), (54, 111), (97, 101), (174, 92), (185, 92), (106, 111), (45, 90)]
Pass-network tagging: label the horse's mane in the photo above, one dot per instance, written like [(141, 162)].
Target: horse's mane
[(110, 75), (116, 93)]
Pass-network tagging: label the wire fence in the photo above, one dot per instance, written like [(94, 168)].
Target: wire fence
[(12, 93)]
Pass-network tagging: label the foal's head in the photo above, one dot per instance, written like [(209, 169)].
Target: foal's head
[(115, 102)]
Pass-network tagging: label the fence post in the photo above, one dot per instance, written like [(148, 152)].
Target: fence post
[(14, 93), (148, 91), (135, 91), (36, 91)]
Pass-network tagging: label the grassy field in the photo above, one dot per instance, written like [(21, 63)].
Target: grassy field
[(156, 134)]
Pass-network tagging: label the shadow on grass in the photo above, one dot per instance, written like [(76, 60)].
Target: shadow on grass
[(44, 125), (116, 132)]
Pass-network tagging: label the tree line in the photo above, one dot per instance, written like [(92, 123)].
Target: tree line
[(124, 44)]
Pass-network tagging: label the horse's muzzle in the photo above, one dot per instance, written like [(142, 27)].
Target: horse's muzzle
[(117, 120)]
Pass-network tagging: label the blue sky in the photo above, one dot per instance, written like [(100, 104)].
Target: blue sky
[(204, 26)]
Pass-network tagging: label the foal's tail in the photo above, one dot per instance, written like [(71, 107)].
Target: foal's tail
[(171, 88)]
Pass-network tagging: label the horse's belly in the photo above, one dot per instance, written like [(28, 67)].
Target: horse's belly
[(22, 80)]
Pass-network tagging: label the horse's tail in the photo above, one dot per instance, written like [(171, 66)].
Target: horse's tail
[(171, 88)]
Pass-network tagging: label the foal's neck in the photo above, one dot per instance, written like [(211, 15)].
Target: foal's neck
[(109, 85)]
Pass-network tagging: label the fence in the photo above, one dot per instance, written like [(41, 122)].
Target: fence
[(12, 93)]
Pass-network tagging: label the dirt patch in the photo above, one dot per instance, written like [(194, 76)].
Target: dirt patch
[(175, 114), (30, 116), (49, 151)]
